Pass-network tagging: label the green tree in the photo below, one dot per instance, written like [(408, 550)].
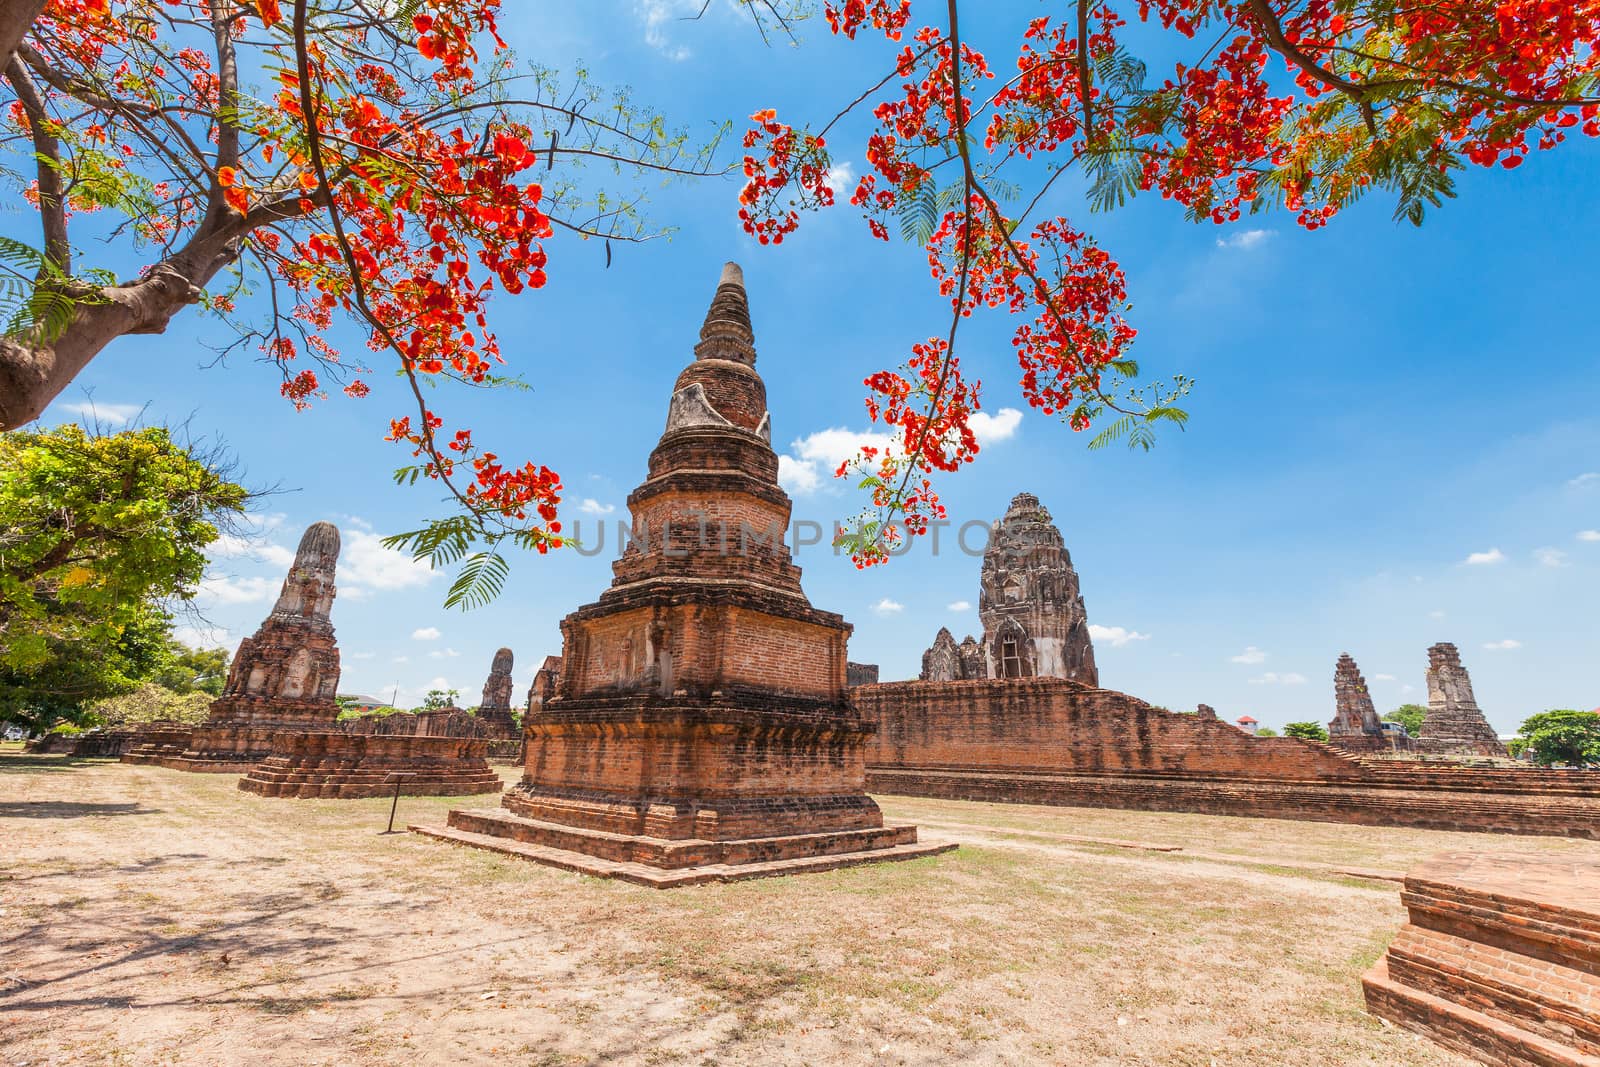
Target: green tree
[(101, 535), (1306, 731), (150, 702), (1563, 736), (438, 699), (1410, 716), (193, 670), (1266, 731)]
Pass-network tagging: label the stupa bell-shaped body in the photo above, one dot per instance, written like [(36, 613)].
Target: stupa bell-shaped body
[(701, 710)]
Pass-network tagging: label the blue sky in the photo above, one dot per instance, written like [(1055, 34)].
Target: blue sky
[(1393, 438)]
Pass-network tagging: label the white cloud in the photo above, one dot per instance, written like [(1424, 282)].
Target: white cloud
[(229, 546), (203, 636), (1274, 678), (360, 655), (401, 659), (1407, 688), (656, 14), (358, 522), (1000, 426), (888, 607), (1494, 555), (1583, 481), (1115, 635), (839, 178), (364, 561), (425, 633), (226, 590), (1589, 535), (1246, 239), (798, 477), (443, 653), (960, 605), (111, 414), (1384, 678), (1435, 614), (1503, 646), (815, 457), (1252, 654), (1550, 557), (591, 506)]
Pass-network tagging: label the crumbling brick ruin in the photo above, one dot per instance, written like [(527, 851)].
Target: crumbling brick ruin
[(701, 728), (495, 707), (860, 674), (1034, 622), (1051, 741), (1355, 727), (284, 676), (544, 684), (1454, 724), (1500, 960)]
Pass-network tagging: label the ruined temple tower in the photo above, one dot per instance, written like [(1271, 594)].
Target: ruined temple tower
[(1034, 622), (701, 727), (494, 709), (1454, 723), (1353, 713), (284, 676)]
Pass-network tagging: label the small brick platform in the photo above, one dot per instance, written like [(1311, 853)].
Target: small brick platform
[(353, 766), (665, 864), (154, 745), (1500, 961)]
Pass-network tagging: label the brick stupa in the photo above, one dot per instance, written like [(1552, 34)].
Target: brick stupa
[(701, 728), (1454, 723), (494, 709), (1355, 727), (283, 677)]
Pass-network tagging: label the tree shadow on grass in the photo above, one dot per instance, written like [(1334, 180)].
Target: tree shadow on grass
[(30, 764), (62, 809)]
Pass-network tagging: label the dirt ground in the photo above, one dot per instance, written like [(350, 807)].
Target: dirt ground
[(149, 916)]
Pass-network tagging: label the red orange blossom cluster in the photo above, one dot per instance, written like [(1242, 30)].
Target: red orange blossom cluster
[(379, 180), (1300, 105)]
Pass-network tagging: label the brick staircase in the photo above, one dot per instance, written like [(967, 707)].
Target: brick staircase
[(1500, 960)]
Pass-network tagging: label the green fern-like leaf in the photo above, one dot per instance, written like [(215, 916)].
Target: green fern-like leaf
[(481, 580)]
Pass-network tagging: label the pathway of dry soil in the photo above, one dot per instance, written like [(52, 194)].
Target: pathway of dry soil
[(153, 917)]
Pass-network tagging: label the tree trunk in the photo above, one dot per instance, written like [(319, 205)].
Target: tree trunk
[(34, 372), (16, 18)]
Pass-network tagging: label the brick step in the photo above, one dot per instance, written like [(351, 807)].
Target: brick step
[(356, 787), (1464, 1029), (1556, 1003), (675, 853), (641, 874)]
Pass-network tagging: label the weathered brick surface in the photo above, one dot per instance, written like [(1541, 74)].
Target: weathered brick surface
[(700, 712), (350, 766), (284, 676), (494, 709), (1500, 959), (1047, 741), (1454, 723)]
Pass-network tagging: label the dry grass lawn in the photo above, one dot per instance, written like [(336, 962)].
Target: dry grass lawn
[(154, 917)]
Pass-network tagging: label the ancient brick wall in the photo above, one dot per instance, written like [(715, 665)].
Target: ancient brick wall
[(1049, 741), (1056, 726)]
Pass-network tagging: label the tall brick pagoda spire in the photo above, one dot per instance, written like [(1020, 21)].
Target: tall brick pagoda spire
[(1353, 713), (284, 676), (494, 709), (1454, 722), (701, 728)]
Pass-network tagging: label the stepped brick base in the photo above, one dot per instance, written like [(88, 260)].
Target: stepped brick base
[(1426, 806), (96, 744), (663, 863), (154, 746), (352, 766), (223, 748), (1500, 961)]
